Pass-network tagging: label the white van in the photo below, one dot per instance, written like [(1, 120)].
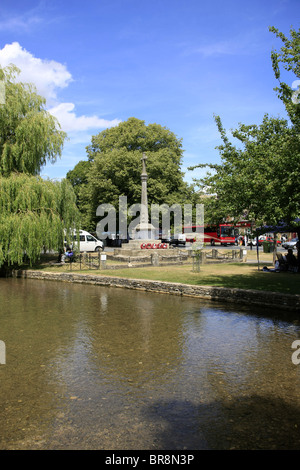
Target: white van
[(87, 242)]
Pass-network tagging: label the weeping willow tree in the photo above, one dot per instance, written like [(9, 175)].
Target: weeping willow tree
[(34, 213)]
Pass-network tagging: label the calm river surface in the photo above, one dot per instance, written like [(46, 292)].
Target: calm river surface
[(91, 367)]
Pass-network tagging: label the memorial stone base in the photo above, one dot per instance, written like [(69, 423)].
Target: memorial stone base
[(137, 244), (134, 248)]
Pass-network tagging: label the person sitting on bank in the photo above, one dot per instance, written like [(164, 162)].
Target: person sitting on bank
[(69, 253), (291, 258)]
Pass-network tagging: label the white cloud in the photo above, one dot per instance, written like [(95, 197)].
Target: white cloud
[(247, 43), (50, 77), (18, 23), (66, 116), (205, 133), (218, 48)]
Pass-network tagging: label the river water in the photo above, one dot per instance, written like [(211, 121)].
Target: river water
[(91, 367)]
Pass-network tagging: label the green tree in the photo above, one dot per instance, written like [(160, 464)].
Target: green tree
[(260, 178), (30, 136), (33, 212), (289, 58), (78, 178), (115, 168), (33, 215)]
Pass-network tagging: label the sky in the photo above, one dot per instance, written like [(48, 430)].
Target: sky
[(174, 63)]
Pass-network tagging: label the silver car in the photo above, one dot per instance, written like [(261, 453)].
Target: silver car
[(290, 244)]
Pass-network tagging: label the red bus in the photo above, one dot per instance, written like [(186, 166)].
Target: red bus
[(225, 234)]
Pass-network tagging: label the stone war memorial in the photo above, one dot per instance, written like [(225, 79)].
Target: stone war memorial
[(144, 232), (144, 242), (147, 240)]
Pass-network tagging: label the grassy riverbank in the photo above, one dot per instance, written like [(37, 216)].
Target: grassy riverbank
[(232, 275)]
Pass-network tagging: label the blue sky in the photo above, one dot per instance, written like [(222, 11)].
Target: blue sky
[(176, 63)]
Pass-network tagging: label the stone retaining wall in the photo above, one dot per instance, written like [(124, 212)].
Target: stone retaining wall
[(222, 294)]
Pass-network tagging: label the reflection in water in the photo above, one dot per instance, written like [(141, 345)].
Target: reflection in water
[(105, 368)]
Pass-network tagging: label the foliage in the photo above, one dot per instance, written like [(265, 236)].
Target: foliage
[(259, 181), (33, 212), (289, 57), (115, 167), (29, 135), (78, 176), (78, 179), (33, 215), (259, 178)]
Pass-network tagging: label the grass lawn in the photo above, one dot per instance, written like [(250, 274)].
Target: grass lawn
[(233, 275), (237, 275)]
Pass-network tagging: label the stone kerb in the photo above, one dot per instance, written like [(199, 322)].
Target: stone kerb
[(272, 300)]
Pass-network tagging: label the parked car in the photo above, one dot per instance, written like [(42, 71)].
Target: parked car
[(178, 240), (263, 239), (114, 239), (290, 244), (87, 242)]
